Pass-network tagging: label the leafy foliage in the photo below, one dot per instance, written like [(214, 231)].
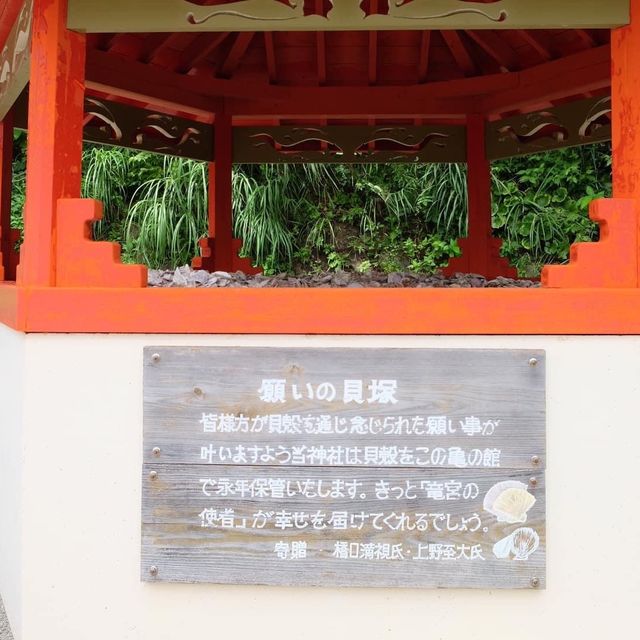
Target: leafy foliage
[(541, 203), (361, 217)]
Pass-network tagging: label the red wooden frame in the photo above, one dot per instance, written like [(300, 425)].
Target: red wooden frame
[(68, 283)]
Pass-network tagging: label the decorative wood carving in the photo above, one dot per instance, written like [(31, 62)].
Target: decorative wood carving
[(341, 15), (123, 125), (126, 126), (346, 144), (14, 59), (569, 125)]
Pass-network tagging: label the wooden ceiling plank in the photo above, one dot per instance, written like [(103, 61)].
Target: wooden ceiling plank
[(496, 47), (236, 53), (197, 52), (270, 55), (583, 72), (321, 49), (373, 58), (532, 40), (585, 38), (373, 48), (158, 46), (423, 61), (459, 52)]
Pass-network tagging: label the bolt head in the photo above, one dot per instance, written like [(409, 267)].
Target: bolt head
[(533, 362), (156, 451), (153, 570), (155, 358), (535, 582), (533, 482), (535, 460), (198, 391), (153, 475)]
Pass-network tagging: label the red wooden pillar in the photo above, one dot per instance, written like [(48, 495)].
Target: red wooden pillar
[(219, 252), (54, 148), (7, 237), (220, 186), (625, 95), (614, 261), (480, 250)]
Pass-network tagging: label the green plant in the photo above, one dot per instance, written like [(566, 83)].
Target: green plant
[(313, 217), (168, 215)]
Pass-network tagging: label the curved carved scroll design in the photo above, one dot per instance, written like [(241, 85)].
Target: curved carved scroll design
[(278, 10), (569, 125), (14, 59), (100, 123), (264, 10), (124, 16), (127, 126), (349, 144)]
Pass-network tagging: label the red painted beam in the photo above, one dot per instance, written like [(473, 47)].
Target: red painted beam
[(577, 74), (497, 93)]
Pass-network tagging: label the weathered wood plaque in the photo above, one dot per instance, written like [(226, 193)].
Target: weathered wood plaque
[(344, 467)]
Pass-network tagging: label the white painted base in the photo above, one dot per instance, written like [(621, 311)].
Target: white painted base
[(12, 354), (80, 508)]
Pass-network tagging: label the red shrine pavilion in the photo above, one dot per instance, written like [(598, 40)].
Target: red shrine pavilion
[(313, 81)]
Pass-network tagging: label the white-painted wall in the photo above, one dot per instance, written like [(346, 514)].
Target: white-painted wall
[(11, 456), (81, 510)]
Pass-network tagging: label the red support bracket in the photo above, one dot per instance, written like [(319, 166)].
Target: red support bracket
[(480, 250), (481, 255), (611, 263), (82, 262), (10, 257), (208, 262)]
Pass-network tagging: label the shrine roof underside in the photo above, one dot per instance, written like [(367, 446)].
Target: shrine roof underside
[(296, 58)]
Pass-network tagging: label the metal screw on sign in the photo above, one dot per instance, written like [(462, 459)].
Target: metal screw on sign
[(533, 482), (535, 582), (153, 475), (533, 362), (198, 391), (153, 570), (156, 451), (155, 358), (535, 460)]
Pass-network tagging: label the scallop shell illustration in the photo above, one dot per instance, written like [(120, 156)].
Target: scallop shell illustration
[(509, 501), (525, 542), (503, 548), (522, 543)]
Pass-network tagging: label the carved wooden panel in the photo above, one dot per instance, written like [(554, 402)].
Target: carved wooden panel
[(14, 59), (346, 144), (127, 126), (337, 15), (123, 125), (569, 125)]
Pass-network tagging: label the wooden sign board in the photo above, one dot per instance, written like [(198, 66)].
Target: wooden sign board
[(344, 467), (123, 16)]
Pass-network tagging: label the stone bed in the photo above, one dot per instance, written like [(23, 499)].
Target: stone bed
[(187, 277)]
